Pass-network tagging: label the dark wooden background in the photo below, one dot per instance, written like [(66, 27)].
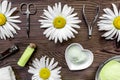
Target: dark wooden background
[(101, 48)]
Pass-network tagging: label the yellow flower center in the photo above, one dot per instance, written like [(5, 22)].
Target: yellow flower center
[(59, 22), (44, 73), (116, 22), (2, 19)]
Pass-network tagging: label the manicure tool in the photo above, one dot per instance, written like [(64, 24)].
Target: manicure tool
[(90, 26), (28, 12)]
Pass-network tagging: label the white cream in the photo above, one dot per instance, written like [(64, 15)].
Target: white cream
[(76, 55)]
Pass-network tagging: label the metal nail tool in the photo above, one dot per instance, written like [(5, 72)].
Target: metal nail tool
[(28, 12), (90, 26)]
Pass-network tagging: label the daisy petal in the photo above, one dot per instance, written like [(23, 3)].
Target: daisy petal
[(11, 28), (56, 39), (64, 9), (72, 10), (8, 31), (119, 12), (15, 26), (47, 62), (59, 7), (54, 65), (55, 33), (60, 38), (74, 21), (8, 8), (11, 12), (32, 70), (108, 33), (36, 63), (47, 14), (109, 12), (118, 39), (49, 34), (56, 9), (115, 9), (105, 21), (4, 6), (45, 21), (71, 16), (63, 35), (47, 30), (50, 38), (105, 27), (0, 7), (5, 32), (14, 17), (52, 33), (75, 26), (117, 34), (46, 25), (15, 21), (51, 11), (36, 77), (44, 17), (57, 69), (66, 34), (71, 29), (68, 12), (51, 62), (111, 35), (42, 61), (107, 16), (2, 33), (69, 33)]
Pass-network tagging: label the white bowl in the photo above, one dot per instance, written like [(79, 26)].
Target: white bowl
[(78, 64)]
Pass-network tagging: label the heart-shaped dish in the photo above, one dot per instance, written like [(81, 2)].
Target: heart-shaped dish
[(77, 57)]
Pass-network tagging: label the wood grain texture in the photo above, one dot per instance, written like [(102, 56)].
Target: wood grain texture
[(101, 48)]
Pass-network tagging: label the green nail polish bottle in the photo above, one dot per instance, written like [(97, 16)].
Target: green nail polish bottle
[(26, 55)]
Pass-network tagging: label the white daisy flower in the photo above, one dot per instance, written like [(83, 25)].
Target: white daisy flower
[(110, 22), (60, 22), (45, 69), (7, 21)]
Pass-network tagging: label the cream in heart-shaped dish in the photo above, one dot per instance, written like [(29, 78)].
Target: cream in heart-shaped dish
[(78, 58)]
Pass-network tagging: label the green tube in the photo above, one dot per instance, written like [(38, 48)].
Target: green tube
[(26, 55)]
